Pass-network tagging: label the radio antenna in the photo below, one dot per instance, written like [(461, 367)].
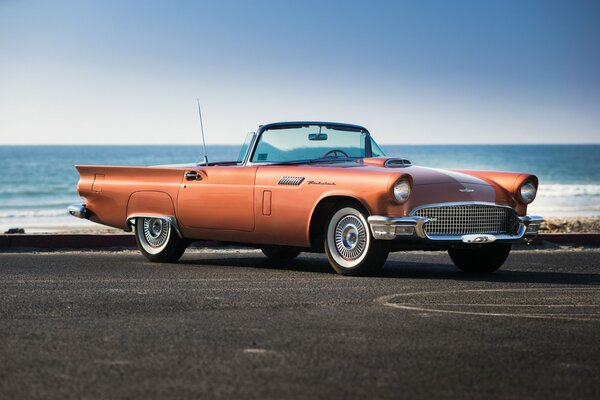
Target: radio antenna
[(202, 129)]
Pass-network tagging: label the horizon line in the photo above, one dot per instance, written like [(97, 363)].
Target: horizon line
[(237, 145)]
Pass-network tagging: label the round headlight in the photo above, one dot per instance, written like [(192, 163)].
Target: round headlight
[(527, 192), (402, 190)]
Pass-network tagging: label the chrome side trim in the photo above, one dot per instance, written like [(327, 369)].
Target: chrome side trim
[(78, 210), (291, 180), (170, 219)]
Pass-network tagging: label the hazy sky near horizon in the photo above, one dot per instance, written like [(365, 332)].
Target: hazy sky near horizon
[(129, 72)]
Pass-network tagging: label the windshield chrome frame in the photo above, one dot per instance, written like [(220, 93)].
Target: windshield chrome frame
[(246, 157), (262, 128)]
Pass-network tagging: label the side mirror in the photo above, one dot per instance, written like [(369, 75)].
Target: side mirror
[(317, 136)]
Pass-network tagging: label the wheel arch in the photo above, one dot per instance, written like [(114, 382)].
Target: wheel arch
[(321, 212), (151, 204)]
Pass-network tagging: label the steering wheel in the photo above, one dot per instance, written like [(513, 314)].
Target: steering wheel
[(334, 153)]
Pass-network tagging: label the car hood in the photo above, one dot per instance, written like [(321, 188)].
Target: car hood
[(428, 176), (420, 175)]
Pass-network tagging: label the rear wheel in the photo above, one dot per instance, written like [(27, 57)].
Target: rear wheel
[(349, 246), (280, 253), (157, 240), (483, 259)]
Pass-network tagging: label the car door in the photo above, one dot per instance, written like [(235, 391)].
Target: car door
[(217, 197)]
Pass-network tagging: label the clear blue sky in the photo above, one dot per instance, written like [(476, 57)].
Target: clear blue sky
[(412, 72)]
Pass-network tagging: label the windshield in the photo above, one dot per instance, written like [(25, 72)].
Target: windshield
[(308, 142)]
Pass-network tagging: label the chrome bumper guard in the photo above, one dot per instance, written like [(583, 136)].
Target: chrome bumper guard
[(78, 210), (411, 228)]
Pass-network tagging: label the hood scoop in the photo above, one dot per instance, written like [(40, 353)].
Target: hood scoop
[(397, 163)]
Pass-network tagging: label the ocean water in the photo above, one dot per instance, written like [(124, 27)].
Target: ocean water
[(37, 183)]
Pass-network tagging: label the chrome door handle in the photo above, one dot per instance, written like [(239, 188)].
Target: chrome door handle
[(192, 176)]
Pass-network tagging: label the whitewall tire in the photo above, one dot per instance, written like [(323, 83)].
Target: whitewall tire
[(349, 245), (157, 240)]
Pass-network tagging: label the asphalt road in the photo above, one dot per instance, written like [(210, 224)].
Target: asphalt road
[(231, 324)]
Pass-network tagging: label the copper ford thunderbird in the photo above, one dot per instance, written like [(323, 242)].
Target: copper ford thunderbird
[(315, 187)]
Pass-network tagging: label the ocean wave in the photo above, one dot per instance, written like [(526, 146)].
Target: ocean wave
[(37, 203), (32, 213), (27, 190), (570, 190)]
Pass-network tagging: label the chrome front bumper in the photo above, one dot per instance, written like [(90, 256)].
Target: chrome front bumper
[(412, 228)]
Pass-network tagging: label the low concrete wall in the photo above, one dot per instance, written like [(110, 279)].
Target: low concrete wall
[(67, 241)]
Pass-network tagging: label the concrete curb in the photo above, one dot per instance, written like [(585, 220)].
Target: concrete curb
[(95, 241), (66, 241), (76, 241)]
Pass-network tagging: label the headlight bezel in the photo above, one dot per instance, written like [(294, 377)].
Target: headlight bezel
[(530, 194), (402, 190)]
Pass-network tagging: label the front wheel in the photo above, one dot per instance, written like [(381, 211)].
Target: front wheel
[(157, 240), (483, 259), (349, 246)]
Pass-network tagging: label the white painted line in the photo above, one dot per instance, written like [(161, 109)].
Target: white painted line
[(255, 351), (515, 305), (387, 302)]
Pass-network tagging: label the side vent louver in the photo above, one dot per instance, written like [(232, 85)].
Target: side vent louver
[(397, 163), (291, 180)]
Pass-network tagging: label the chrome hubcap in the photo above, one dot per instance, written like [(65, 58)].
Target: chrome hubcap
[(156, 231), (350, 237)]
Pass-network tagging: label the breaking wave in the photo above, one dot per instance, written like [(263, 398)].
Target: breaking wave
[(570, 190), (32, 213)]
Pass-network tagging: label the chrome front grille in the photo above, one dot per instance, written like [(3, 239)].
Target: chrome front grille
[(465, 219)]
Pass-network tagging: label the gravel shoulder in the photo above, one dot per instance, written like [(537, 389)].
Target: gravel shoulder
[(571, 225)]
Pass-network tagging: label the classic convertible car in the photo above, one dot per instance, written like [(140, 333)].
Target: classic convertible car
[(318, 187)]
